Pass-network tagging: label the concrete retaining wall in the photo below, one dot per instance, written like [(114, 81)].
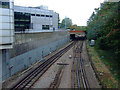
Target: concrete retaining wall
[(0, 69), (30, 48)]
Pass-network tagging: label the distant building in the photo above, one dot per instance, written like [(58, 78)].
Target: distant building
[(6, 24), (35, 19)]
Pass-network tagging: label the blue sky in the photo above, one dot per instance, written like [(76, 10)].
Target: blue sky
[(78, 10)]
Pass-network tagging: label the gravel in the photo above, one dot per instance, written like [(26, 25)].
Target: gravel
[(66, 80), (93, 82), (49, 75)]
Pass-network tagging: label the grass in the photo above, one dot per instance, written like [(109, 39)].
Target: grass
[(110, 61), (106, 65)]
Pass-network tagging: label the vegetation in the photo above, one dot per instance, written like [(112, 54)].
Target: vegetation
[(59, 24), (68, 23), (104, 27), (79, 28), (104, 74)]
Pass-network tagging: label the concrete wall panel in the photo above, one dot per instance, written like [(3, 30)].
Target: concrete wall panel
[(0, 69), (41, 48), (5, 11)]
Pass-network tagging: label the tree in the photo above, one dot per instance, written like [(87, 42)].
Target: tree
[(68, 23), (81, 28), (74, 27), (104, 27), (59, 24)]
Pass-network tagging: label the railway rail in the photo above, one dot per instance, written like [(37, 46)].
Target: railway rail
[(55, 84), (78, 73), (29, 80)]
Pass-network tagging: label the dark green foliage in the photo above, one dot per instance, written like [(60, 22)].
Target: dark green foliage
[(81, 28), (101, 43), (59, 24), (104, 27)]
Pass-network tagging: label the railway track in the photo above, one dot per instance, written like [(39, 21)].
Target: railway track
[(55, 84), (29, 80), (78, 73)]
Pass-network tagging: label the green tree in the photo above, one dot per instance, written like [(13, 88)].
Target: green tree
[(59, 24), (81, 28), (74, 27), (104, 26), (68, 23)]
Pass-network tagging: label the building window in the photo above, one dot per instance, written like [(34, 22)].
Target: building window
[(32, 14), (47, 15), (0, 4), (37, 14), (4, 4), (51, 16), (42, 15), (22, 21), (45, 27)]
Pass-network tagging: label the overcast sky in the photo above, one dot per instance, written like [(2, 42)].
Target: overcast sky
[(78, 10)]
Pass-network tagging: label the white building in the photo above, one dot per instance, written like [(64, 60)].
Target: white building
[(6, 30), (38, 19), (6, 24)]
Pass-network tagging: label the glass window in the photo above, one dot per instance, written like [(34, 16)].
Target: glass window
[(22, 21), (45, 27), (51, 16), (37, 14), (42, 15), (47, 15), (0, 4), (32, 14), (5, 5)]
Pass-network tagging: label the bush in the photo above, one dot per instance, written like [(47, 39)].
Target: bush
[(101, 43)]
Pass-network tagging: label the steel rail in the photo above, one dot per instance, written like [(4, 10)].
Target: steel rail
[(77, 66), (80, 70), (84, 78), (78, 79), (40, 69)]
